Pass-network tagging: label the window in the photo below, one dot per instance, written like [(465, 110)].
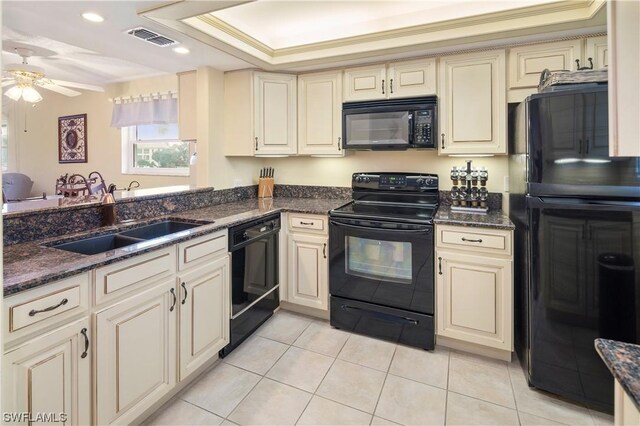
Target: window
[(154, 149), (4, 149)]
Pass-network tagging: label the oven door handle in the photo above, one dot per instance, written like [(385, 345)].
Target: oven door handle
[(424, 230)]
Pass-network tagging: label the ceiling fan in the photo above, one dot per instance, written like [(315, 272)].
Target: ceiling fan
[(25, 78)]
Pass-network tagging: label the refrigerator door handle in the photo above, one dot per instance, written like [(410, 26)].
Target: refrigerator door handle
[(580, 203)]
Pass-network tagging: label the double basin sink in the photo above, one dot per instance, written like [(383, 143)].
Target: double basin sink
[(103, 243)]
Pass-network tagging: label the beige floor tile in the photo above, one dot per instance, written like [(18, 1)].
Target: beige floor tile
[(301, 368), (257, 354), (321, 411), (322, 338), (271, 403), (531, 401), (483, 380), (431, 368), (180, 412), (372, 353), (284, 327), (379, 421), (228, 423), (601, 419), (411, 403), (353, 385), (531, 420), (220, 390), (463, 410), (478, 359)]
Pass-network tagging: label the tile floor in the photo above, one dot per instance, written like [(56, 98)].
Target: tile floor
[(299, 370)]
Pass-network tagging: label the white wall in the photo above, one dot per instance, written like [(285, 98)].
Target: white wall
[(35, 151)]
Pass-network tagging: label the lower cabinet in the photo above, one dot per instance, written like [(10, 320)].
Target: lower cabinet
[(474, 289), (135, 353), (625, 411), (308, 270), (50, 377), (204, 314)]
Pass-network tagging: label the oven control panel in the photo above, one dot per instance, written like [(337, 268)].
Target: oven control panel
[(395, 181)]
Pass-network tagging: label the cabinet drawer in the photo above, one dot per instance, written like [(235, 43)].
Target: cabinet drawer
[(45, 306), (200, 249), (122, 277), (475, 239), (313, 223)]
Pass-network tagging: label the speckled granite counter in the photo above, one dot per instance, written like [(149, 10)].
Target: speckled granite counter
[(33, 264), (495, 219), (623, 360)]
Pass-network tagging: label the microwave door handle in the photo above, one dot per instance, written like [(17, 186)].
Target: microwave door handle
[(410, 141)]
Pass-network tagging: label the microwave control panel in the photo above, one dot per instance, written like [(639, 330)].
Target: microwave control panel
[(423, 127)]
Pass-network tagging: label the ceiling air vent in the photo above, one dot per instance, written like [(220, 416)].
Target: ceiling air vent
[(152, 37)]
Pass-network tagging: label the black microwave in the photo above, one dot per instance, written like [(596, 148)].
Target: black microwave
[(393, 124)]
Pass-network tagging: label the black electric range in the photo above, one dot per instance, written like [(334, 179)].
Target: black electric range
[(382, 258)]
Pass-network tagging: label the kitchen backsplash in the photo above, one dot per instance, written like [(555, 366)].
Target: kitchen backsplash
[(309, 191)]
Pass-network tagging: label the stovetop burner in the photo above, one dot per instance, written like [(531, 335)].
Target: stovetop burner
[(395, 197)]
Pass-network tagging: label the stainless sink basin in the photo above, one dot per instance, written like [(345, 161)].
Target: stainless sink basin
[(159, 229), (103, 243), (95, 245)]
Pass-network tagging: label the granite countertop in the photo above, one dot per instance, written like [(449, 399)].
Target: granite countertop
[(33, 264), (495, 219), (623, 360)]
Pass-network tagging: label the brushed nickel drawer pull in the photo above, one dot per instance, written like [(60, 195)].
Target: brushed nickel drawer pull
[(184, 287), (86, 343), (63, 302), (439, 266), (471, 241), (324, 250), (173, 293), (306, 223)]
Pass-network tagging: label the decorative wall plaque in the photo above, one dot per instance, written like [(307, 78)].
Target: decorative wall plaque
[(72, 139)]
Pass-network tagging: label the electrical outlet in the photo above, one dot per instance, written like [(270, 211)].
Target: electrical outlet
[(237, 183), (506, 184)]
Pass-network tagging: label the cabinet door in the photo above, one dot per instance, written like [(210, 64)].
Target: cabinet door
[(597, 49), (204, 314), (473, 104), (526, 63), (474, 296), (136, 353), (308, 271), (624, 84), (365, 83), (412, 78), (49, 376), (320, 113), (275, 113)]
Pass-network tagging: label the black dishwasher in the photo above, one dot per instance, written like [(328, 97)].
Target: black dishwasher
[(254, 277)]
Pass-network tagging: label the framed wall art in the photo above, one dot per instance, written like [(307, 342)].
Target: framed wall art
[(72, 139)]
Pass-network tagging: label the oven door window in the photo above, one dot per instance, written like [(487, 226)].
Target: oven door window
[(378, 259), (380, 128)]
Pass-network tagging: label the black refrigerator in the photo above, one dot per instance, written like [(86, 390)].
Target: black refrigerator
[(577, 242)]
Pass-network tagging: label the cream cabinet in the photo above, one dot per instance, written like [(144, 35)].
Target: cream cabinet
[(624, 85), (135, 353), (320, 114), (50, 377), (474, 287), (473, 104), (597, 48), (187, 106), (625, 410), (307, 261), (204, 313), (260, 114), (526, 63), (392, 80)]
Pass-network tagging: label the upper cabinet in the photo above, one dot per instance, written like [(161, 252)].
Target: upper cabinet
[(260, 114), (526, 63), (473, 104), (320, 114), (624, 86), (187, 106), (597, 48), (388, 81)]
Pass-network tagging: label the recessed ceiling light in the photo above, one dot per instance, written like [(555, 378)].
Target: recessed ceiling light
[(92, 16), (181, 49)]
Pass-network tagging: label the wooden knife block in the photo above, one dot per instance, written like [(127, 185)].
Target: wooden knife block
[(265, 188)]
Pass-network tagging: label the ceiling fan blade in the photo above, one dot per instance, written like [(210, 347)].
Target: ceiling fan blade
[(78, 85), (59, 89), (8, 82)]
